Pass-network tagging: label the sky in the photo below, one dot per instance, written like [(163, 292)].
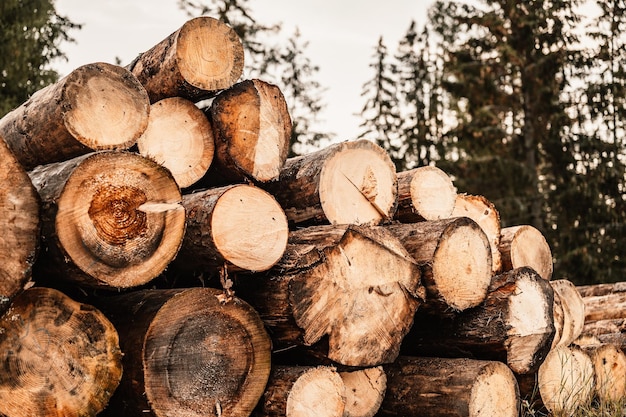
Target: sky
[(341, 36)]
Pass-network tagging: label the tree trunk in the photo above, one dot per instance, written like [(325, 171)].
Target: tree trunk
[(356, 284), (455, 258), (110, 219), (192, 352), (603, 307), (608, 326), (564, 382), (513, 325), (345, 183), (96, 107), (569, 312), (365, 390), (437, 387), (59, 357), (252, 130), (424, 193), (301, 391), (601, 289), (19, 227), (202, 57), (483, 212), (241, 227), (179, 137), (609, 364), (525, 246)]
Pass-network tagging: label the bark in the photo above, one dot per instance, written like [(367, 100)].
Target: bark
[(345, 183), (96, 107), (302, 391), (563, 383), (569, 312), (252, 129), (438, 387), (241, 227), (201, 58), (180, 137), (603, 307), (58, 356), (110, 219), (365, 390), (355, 284), (424, 193), (19, 227), (601, 327), (513, 325), (525, 246), (483, 212), (455, 259), (192, 352), (601, 289)]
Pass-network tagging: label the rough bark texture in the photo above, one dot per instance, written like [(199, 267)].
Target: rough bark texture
[(601, 289), (252, 130), (346, 183), (58, 357), (455, 258), (192, 352), (365, 390), (19, 227), (110, 219), (513, 325), (437, 387), (569, 312), (525, 246), (301, 391), (603, 307), (483, 212), (355, 284), (241, 227), (179, 137), (203, 57), (424, 193), (96, 107)]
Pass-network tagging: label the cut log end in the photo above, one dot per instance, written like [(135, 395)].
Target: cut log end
[(425, 193), (179, 137), (107, 106), (214, 356), (526, 246), (569, 312), (60, 354), (358, 185), (249, 228), (365, 390), (209, 53), (495, 392), (103, 223), (319, 392)]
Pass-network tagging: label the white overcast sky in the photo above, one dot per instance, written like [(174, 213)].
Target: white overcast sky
[(342, 35)]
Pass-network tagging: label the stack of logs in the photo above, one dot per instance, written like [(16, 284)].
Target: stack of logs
[(162, 257)]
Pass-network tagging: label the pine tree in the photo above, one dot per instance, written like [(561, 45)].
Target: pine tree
[(380, 111), (31, 32)]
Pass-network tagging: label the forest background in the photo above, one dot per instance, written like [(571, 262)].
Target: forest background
[(521, 102)]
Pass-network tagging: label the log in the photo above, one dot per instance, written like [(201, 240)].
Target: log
[(59, 357), (424, 193), (603, 307), (239, 226), (609, 365), (201, 58), (483, 212), (455, 259), (601, 327), (345, 183), (97, 106), (569, 312), (180, 137), (252, 128), (365, 390), (425, 387), (110, 219), (564, 382), (19, 227), (355, 284), (302, 391), (601, 289), (513, 325), (525, 246), (192, 352)]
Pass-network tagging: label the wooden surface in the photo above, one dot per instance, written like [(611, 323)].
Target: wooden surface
[(525, 246), (424, 193)]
